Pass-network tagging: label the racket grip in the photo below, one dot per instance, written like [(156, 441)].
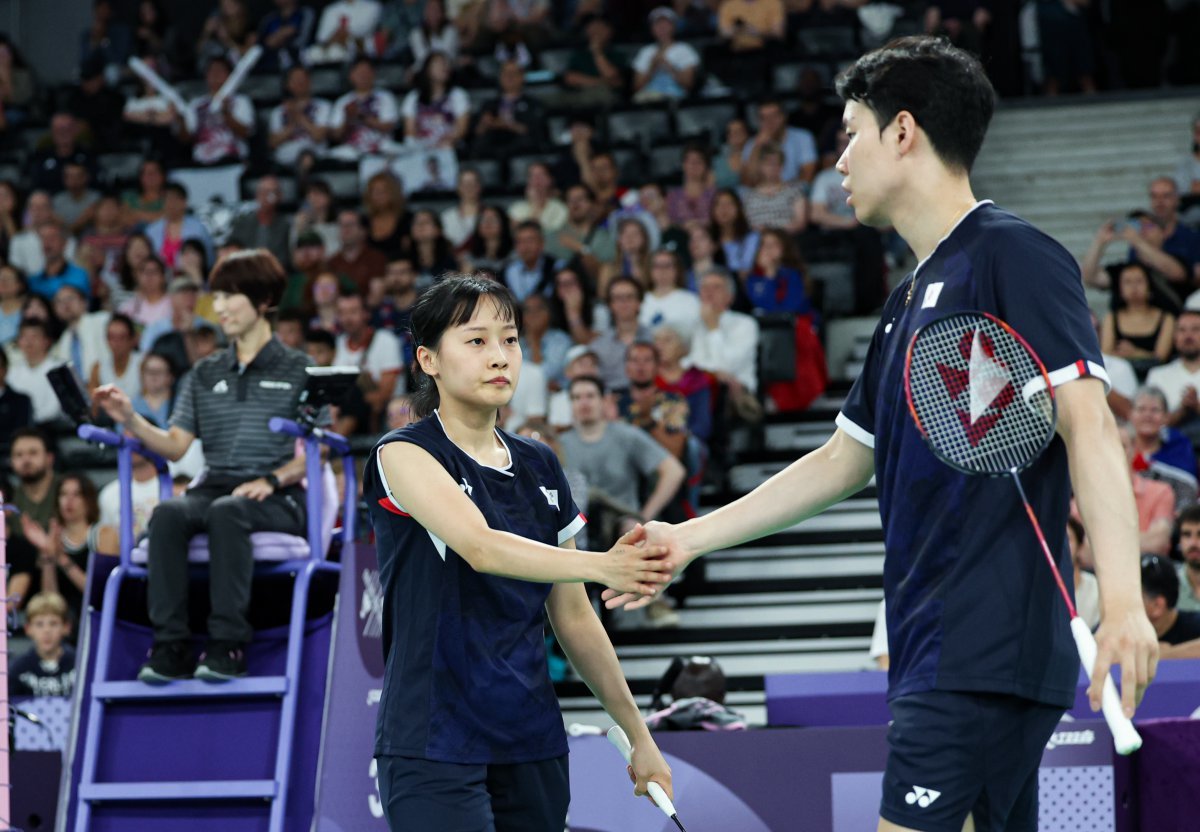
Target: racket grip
[(616, 735), (1125, 736)]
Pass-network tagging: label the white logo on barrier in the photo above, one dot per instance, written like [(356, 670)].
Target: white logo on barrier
[(466, 486), (1070, 738), (921, 796), (370, 609), (551, 495), (221, 387), (275, 385)]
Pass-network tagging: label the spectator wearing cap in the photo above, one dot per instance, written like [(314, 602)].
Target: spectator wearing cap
[(667, 68), (300, 124), (57, 271), (166, 335), (166, 236), (1160, 594), (595, 73), (46, 166), (266, 227), (580, 360)]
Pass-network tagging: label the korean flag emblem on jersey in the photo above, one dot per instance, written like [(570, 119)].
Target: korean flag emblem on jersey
[(551, 495)]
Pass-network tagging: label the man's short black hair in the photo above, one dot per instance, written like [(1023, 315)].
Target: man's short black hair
[(529, 225), (291, 316), (586, 380), (38, 324), (320, 336), (1160, 580), (943, 87), (177, 189), (32, 432)]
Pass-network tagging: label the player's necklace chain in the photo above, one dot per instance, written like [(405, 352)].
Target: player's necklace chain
[(912, 284)]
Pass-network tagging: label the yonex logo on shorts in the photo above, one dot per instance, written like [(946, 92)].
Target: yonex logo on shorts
[(921, 796), (1070, 738)]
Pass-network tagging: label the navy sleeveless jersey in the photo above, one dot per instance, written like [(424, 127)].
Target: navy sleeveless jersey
[(466, 679), (971, 603)]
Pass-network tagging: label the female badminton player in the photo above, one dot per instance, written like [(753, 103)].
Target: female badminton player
[(475, 532), (983, 662)]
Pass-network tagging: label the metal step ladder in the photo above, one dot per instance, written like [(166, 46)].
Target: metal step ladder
[(125, 779)]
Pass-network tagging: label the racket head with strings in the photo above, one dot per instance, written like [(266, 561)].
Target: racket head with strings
[(978, 394)]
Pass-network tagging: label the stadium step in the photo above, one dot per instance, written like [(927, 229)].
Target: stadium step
[(259, 686), (186, 791)]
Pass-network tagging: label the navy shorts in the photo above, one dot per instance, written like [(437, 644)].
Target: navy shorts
[(428, 796), (954, 753)]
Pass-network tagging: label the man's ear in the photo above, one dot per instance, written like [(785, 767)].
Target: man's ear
[(905, 135)]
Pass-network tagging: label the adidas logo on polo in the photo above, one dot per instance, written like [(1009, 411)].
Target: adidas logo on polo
[(921, 796), (221, 387)]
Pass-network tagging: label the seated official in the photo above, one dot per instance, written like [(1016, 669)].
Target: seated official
[(252, 479)]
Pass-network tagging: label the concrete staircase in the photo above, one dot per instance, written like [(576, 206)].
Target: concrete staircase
[(1068, 167)]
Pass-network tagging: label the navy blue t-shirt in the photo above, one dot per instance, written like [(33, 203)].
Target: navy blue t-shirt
[(971, 603), (466, 679)]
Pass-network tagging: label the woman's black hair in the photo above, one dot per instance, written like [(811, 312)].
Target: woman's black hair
[(477, 246), (741, 225), (424, 84), (451, 302), (191, 243)]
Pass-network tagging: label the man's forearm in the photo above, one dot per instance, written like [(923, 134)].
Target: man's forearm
[(839, 468), (1160, 261), (670, 478), (155, 438), (1100, 478)]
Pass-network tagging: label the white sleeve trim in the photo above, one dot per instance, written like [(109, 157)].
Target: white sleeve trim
[(855, 431), (387, 488), (1080, 369), (573, 528)]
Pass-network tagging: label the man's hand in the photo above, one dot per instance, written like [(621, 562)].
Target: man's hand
[(258, 489), (1189, 400), (1125, 637), (676, 558), (113, 401)]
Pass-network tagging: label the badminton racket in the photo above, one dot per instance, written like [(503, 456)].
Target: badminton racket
[(616, 735), (983, 402)]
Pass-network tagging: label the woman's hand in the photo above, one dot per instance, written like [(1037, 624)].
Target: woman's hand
[(636, 569), (646, 764)]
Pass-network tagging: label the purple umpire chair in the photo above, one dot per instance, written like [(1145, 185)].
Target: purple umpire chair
[(190, 754)]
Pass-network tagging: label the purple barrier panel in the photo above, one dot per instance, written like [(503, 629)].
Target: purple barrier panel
[(347, 797), (860, 698), (1167, 774), (813, 699), (818, 779), (34, 789)]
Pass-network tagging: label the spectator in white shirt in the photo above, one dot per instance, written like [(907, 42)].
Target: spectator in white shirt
[(301, 122), (665, 69), (436, 113), (345, 29), (28, 373), (458, 221), (363, 119), (726, 344), (668, 302), (435, 34), (83, 339), (376, 352), (1180, 379), (218, 135), (145, 492)]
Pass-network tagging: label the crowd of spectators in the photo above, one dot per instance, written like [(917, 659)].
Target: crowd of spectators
[(654, 182)]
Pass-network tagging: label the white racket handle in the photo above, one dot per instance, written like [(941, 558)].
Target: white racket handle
[(616, 735), (1125, 736)]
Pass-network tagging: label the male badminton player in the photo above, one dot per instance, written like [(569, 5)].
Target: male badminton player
[(982, 659)]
